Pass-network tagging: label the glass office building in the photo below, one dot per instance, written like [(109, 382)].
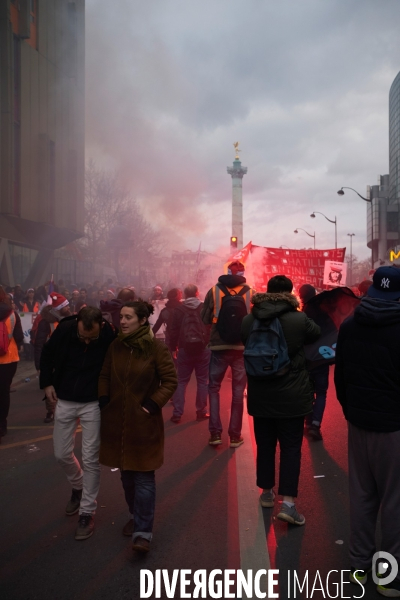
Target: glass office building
[(394, 140)]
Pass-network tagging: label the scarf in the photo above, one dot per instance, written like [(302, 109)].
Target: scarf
[(140, 341)]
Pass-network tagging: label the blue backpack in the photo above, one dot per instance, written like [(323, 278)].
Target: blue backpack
[(266, 353)]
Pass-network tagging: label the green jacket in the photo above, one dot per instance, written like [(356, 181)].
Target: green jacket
[(290, 395)]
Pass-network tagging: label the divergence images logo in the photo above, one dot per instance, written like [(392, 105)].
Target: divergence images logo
[(386, 560)]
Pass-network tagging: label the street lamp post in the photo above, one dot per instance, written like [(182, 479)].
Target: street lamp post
[(309, 234), (341, 193), (330, 221), (351, 256)]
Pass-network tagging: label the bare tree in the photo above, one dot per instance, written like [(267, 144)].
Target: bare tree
[(360, 268), (108, 205)]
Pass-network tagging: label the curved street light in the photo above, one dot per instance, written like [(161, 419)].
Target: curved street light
[(341, 193), (309, 234), (330, 221)]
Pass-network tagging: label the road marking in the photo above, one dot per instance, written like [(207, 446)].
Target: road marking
[(26, 442), (37, 427), (253, 545), (31, 427)]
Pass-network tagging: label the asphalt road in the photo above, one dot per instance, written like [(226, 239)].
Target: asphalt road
[(204, 517)]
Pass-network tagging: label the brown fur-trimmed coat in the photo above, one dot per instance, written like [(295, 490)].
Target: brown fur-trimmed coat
[(291, 394), (132, 439)]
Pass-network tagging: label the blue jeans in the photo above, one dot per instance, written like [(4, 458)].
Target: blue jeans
[(320, 380), (140, 495), (186, 364), (220, 361)]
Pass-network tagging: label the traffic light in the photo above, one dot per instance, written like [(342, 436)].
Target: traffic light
[(234, 241)]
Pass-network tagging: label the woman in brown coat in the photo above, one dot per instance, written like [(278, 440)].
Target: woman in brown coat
[(137, 380)]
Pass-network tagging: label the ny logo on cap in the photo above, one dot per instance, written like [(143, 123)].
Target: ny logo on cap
[(385, 282)]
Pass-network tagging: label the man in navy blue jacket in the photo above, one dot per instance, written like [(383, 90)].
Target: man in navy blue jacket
[(367, 379)]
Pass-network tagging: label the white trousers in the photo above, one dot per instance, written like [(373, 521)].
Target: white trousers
[(87, 477)]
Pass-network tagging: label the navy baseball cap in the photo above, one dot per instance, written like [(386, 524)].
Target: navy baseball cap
[(386, 284)]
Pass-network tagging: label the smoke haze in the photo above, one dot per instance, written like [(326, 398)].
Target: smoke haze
[(304, 86)]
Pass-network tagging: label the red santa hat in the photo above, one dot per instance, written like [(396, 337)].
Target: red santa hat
[(58, 301)]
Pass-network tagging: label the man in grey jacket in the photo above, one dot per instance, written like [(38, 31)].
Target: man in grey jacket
[(190, 336)]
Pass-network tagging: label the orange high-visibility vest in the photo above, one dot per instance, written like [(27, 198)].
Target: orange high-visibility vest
[(35, 308), (218, 294), (12, 353)]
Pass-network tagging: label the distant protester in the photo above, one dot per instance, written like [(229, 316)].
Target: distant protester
[(30, 304), (157, 293), (43, 327), (111, 308), (11, 338), (224, 308), (166, 315), (190, 337), (319, 375)]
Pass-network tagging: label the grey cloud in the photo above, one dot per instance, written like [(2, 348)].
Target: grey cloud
[(303, 85)]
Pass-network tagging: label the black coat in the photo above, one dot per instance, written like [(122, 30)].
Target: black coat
[(71, 366), (166, 317), (291, 394), (367, 371)]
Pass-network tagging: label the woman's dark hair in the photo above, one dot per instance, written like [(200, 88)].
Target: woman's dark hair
[(173, 294), (141, 308), (89, 315), (278, 284), (126, 294)]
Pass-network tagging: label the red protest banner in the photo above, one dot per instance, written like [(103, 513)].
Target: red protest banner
[(301, 266)]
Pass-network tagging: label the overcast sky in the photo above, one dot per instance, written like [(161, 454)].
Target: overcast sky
[(303, 85)]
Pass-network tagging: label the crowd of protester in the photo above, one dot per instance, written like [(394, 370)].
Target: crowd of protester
[(111, 359)]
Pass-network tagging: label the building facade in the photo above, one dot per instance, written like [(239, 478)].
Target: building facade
[(383, 214), (383, 227), (41, 134), (394, 138)]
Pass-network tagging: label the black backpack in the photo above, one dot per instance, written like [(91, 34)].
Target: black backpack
[(194, 335), (232, 312)]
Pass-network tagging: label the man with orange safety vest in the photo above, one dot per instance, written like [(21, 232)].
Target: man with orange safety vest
[(225, 306), (11, 337), (30, 305)]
